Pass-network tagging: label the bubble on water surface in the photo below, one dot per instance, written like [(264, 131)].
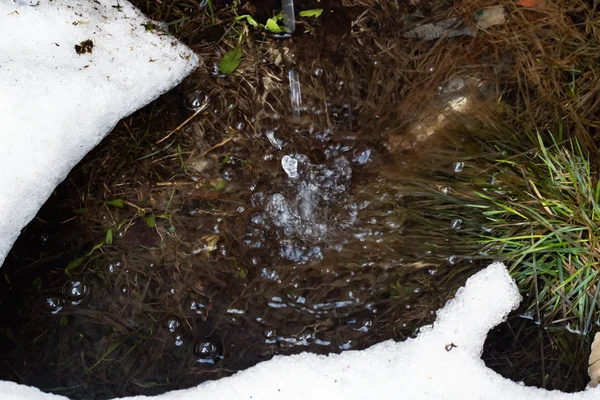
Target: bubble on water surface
[(54, 304), (196, 100), (456, 224), (113, 267), (270, 334), (458, 166), (173, 324), (206, 352), (178, 340), (75, 291)]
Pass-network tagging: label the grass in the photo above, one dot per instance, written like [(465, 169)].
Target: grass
[(548, 231)]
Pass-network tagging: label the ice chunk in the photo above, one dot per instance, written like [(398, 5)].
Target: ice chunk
[(68, 72)]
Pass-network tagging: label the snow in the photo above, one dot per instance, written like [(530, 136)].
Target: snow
[(56, 104), (443, 362)]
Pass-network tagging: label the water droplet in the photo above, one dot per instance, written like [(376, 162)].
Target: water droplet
[(75, 291), (432, 271), (173, 324), (452, 260), (206, 352), (54, 304), (290, 166), (196, 100), (318, 72), (445, 190)]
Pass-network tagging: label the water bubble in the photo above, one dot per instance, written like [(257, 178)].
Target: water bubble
[(270, 334), (456, 224), (370, 305), (458, 166), (346, 345), (173, 324), (432, 271), (290, 166), (445, 190), (199, 307), (362, 325), (75, 291), (206, 351), (318, 72), (113, 267), (452, 260), (54, 304), (178, 340), (196, 100)]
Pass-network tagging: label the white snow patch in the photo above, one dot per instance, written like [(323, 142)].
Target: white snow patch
[(56, 105), (443, 362)]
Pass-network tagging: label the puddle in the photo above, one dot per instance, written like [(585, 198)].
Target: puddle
[(278, 220)]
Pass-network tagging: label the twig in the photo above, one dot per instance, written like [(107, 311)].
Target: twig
[(184, 123)]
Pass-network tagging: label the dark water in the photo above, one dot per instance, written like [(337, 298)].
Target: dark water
[(258, 229)]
